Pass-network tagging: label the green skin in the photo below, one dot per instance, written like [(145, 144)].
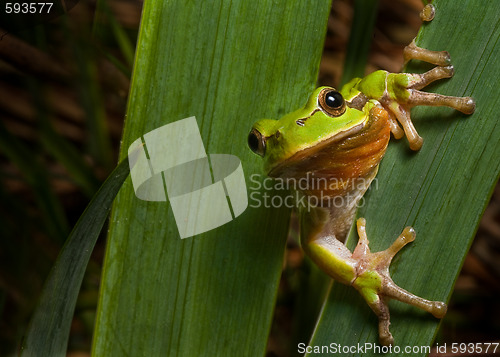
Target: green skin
[(300, 135), (320, 127), (295, 138)]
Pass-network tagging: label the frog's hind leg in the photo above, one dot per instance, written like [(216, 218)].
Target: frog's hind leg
[(376, 286), (391, 290), (376, 302)]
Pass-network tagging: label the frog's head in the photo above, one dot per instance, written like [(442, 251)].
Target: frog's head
[(326, 117)]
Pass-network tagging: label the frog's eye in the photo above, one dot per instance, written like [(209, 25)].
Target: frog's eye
[(256, 142), (331, 102)]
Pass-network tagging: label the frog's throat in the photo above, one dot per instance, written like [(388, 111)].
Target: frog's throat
[(280, 170)]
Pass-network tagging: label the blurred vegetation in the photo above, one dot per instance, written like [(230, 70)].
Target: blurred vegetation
[(63, 92)]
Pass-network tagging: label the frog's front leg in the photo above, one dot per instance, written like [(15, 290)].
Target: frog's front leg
[(403, 92)]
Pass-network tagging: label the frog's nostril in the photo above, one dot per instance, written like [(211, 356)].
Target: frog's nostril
[(256, 142)]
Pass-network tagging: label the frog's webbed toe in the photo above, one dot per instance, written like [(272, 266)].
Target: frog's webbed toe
[(376, 286)]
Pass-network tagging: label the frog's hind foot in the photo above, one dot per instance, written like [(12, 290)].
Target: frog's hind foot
[(374, 283)]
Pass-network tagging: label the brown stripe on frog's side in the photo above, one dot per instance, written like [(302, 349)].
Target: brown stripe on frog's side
[(357, 102), (302, 121)]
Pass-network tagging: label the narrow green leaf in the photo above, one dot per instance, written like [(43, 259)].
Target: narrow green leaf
[(98, 140), (49, 328), (228, 64), (64, 152), (104, 20), (59, 147), (441, 191)]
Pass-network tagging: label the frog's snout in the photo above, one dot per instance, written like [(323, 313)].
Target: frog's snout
[(257, 142)]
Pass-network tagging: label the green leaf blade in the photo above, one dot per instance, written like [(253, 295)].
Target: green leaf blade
[(228, 64), (49, 328)]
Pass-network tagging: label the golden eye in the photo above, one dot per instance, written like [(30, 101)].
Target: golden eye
[(331, 102)]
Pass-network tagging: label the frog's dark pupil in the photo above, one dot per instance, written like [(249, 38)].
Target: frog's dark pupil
[(334, 99), (257, 142), (253, 142)]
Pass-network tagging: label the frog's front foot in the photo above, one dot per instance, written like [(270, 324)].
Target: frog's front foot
[(376, 286), (406, 92)]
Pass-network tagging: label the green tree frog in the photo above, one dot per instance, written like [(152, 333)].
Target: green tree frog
[(336, 142)]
